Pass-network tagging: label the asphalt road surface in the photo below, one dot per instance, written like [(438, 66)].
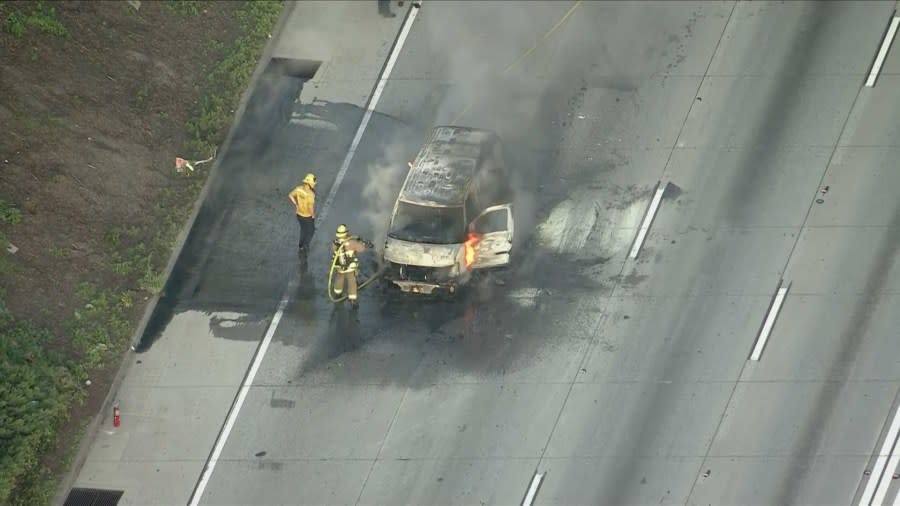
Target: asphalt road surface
[(616, 380)]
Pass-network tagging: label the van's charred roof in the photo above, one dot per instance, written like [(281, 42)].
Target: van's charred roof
[(446, 165)]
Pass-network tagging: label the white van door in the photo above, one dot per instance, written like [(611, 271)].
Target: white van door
[(494, 229)]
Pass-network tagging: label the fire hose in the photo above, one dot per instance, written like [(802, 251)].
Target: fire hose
[(362, 285)]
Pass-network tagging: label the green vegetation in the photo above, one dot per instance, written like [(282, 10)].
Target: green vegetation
[(40, 385), (139, 101), (228, 78), (6, 264), (9, 214), (101, 325), (134, 258), (40, 17), (39, 122), (183, 7)]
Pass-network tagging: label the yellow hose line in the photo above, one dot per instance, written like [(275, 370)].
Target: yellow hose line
[(330, 282)]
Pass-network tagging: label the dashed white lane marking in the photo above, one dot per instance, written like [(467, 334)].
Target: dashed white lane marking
[(648, 219), (279, 312), (770, 322), (882, 53), (533, 489), (878, 478)]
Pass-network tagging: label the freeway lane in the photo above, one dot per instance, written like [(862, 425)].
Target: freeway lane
[(747, 166), (623, 380), (833, 366)]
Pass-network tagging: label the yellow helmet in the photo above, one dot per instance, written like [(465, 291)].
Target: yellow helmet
[(342, 232), (310, 179)]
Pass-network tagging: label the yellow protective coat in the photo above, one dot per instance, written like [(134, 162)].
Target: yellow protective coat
[(304, 199), (347, 266)]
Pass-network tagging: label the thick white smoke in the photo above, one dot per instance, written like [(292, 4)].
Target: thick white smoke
[(384, 179), (481, 48), (474, 53)]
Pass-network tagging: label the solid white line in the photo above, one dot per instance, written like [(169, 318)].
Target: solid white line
[(648, 219), (376, 95), (292, 285), (242, 395), (878, 478), (532, 490), (882, 53), (770, 322)]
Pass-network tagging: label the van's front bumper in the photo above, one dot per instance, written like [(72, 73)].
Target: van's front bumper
[(421, 280), (422, 287)]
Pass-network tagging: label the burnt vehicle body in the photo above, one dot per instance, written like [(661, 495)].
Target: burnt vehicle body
[(453, 215)]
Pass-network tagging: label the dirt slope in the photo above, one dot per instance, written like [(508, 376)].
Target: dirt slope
[(95, 120)]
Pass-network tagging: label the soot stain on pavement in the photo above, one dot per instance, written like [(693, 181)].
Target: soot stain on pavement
[(269, 465), (343, 335), (631, 280), (554, 271), (479, 328), (628, 196), (672, 191), (265, 112), (278, 403)]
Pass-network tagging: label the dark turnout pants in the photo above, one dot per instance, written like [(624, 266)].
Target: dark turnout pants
[(307, 229)]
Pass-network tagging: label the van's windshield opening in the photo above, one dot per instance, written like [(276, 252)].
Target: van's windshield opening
[(433, 225)]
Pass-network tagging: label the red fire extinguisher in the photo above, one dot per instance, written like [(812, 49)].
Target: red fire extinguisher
[(117, 420)]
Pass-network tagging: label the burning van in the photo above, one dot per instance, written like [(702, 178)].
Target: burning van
[(453, 215)]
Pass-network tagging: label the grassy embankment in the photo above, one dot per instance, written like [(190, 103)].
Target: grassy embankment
[(44, 375)]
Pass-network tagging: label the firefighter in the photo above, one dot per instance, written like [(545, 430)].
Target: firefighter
[(304, 199), (345, 249)]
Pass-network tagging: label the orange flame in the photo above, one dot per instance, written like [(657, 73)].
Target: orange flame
[(469, 246)]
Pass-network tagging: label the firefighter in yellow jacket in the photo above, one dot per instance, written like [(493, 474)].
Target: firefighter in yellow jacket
[(304, 199), (345, 249)]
